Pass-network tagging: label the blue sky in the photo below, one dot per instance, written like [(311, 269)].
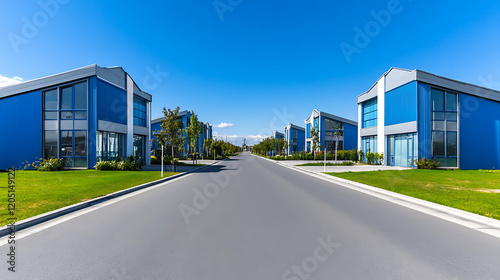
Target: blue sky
[(256, 64)]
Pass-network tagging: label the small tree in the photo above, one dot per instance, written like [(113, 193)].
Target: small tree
[(315, 141), (281, 144), (207, 143), (193, 131), (171, 131), (336, 136)]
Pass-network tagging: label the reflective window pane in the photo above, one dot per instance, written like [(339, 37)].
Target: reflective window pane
[(50, 99), (81, 96), (437, 99), (80, 143), (67, 98), (51, 115), (451, 101), (50, 144), (68, 162), (66, 143), (451, 125), (80, 115), (451, 143), (451, 162), (438, 116), (451, 116), (438, 146), (81, 162), (67, 115), (438, 125)]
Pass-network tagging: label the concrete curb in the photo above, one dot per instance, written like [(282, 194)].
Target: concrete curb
[(29, 222), (468, 219)]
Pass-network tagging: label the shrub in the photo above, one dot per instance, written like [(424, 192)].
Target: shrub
[(130, 164), (104, 165), (155, 160), (424, 163), (353, 155), (52, 164), (361, 155), (370, 158)]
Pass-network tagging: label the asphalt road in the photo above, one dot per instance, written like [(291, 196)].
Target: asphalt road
[(248, 218)]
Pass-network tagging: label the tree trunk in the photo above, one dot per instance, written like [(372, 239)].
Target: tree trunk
[(173, 163)]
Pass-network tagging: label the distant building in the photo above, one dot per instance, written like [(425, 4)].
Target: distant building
[(327, 124), (83, 116), (411, 114), (296, 137), (185, 118), (277, 135)]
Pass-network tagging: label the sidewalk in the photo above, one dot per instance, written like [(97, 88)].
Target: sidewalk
[(337, 169)]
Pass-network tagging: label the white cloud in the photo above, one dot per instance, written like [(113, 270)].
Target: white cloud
[(238, 139), (224, 125), (6, 81)]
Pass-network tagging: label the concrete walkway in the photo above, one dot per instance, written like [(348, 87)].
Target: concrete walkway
[(337, 169), (179, 168)]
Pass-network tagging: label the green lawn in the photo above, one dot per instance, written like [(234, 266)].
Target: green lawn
[(39, 192), (476, 191)]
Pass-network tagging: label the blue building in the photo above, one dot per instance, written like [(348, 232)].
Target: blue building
[(83, 116), (296, 138), (185, 118), (327, 125), (277, 135), (411, 114)]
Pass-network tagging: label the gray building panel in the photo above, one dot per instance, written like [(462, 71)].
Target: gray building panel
[(48, 81), (397, 77), (408, 127), (111, 127), (370, 131)]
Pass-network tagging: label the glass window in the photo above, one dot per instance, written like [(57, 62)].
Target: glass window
[(369, 113), (451, 101), (437, 99), (140, 112), (80, 115), (50, 101), (66, 143), (68, 162), (50, 144), (139, 147), (81, 96), (438, 116), (451, 116), (438, 147), (451, 125), (80, 143), (67, 98), (451, 143), (81, 162), (438, 125), (51, 115), (67, 115)]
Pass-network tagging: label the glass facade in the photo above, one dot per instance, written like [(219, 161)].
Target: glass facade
[(140, 116), (369, 113), (444, 107), (332, 126), (369, 144), (402, 149), (110, 146), (65, 124), (139, 147)]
